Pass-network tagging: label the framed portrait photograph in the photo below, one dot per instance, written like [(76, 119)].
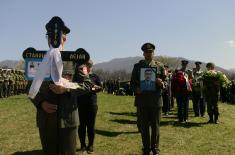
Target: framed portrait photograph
[(148, 79), (31, 67)]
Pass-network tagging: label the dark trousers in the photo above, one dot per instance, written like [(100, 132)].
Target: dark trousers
[(198, 104), (182, 103), (149, 117), (57, 141), (166, 102), (87, 117), (212, 105)]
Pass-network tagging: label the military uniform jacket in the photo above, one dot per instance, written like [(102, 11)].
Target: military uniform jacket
[(67, 112), (149, 98)]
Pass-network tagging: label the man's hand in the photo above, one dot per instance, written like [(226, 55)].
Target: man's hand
[(57, 89), (48, 107), (159, 82), (96, 88)]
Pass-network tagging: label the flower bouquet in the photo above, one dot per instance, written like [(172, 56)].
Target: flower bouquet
[(215, 78)]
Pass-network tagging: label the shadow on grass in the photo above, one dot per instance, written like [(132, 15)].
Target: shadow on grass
[(170, 116), (184, 125), (33, 152), (113, 133), (124, 121), (123, 113)]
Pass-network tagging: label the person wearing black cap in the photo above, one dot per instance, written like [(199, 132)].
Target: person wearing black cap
[(181, 87), (148, 103), (57, 114), (197, 91)]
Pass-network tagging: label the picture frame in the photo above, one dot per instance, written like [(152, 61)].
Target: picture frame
[(148, 79), (31, 67)]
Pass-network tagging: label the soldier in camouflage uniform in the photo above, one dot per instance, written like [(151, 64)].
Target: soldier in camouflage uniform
[(21, 79), (16, 91), (11, 82), (148, 103), (23, 82), (197, 91), (5, 83), (1, 83)]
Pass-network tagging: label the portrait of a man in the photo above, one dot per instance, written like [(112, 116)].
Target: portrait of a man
[(32, 66), (147, 79)]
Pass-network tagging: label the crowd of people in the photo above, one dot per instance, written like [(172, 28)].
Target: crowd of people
[(67, 105), (156, 88), (12, 82)]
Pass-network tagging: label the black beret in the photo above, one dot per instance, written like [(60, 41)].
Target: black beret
[(62, 26), (198, 63), (148, 47), (184, 62)]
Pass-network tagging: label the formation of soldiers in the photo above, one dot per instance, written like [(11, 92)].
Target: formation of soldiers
[(197, 93), (12, 82), (117, 87), (204, 88)]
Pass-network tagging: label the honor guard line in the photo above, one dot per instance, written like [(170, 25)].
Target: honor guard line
[(33, 56)]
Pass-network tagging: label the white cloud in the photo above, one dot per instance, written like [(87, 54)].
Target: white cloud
[(231, 43)]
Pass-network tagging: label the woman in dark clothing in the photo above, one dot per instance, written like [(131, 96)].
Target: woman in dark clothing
[(87, 108)]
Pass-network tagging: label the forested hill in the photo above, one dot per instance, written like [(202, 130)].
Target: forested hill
[(9, 63), (127, 64)]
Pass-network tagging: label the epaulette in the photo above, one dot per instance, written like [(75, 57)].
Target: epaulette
[(159, 63)]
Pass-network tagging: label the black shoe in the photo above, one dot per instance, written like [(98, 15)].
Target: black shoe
[(82, 149), (210, 121), (146, 151), (90, 149), (181, 121)]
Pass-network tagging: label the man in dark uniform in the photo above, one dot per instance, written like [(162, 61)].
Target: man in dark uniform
[(197, 91), (148, 103), (57, 114), (211, 90)]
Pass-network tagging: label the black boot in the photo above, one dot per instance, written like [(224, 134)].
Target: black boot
[(211, 119), (146, 151), (216, 119)]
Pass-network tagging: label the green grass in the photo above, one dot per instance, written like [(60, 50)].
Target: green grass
[(116, 131)]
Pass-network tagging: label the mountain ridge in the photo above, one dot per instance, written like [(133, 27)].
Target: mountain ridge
[(127, 64)]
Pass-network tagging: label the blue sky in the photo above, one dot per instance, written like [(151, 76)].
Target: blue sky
[(201, 30)]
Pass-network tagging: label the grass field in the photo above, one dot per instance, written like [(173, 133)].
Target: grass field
[(116, 131)]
